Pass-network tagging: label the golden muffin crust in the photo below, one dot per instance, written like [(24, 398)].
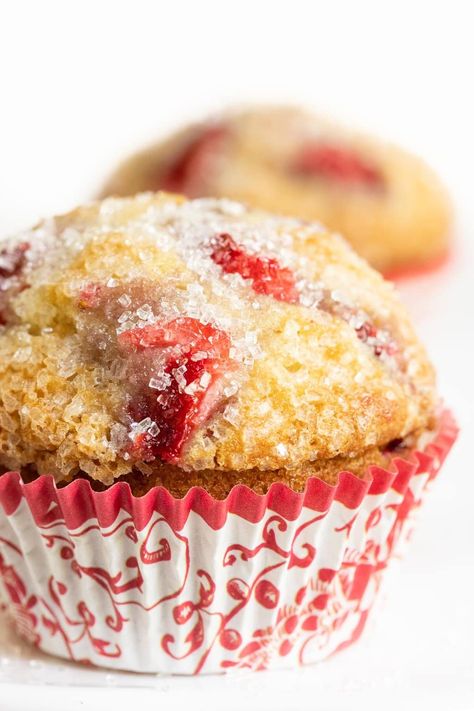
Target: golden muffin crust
[(386, 202), (198, 335), (220, 483)]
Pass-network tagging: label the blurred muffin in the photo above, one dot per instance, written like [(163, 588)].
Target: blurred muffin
[(181, 343), (386, 202)]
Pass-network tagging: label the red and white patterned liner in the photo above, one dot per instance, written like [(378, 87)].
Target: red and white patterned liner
[(156, 584)]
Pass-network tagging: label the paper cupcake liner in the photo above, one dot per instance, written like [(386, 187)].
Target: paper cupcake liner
[(197, 585)]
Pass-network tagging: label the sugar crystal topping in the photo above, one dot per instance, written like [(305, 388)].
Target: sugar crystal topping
[(184, 344)]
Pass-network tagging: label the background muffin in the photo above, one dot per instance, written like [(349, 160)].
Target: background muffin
[(386, 202), (187, 342)]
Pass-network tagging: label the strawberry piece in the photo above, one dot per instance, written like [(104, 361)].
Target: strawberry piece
[(194, 389), (376, 339), (192, 164), (177, 413), (337, 164), (90, 296), (266, 274), (12, 262), (182, 331), (368, 333)]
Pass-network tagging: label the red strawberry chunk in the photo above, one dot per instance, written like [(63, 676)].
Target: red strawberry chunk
[(190, 166), (194, 378), (266, 274), (369, 334), (184, 331), (338, 164), (176, 412)]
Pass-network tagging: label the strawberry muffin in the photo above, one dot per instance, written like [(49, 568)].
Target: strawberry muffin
[(185, 343), (386, 202), (211, 443)]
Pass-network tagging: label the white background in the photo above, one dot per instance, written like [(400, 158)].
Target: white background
[(82, 84)]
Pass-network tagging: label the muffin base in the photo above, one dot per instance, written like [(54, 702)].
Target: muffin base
[(219, 483), (196, 585)]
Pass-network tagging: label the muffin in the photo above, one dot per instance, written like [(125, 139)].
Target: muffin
[(386, 202), (210, 441)]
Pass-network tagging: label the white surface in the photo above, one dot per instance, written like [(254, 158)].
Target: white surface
[(82, 83)]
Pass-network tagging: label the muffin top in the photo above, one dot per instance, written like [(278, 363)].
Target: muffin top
[(385, 201), (137, 332)]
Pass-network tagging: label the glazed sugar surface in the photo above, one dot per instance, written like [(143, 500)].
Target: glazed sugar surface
[(191, 320)]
